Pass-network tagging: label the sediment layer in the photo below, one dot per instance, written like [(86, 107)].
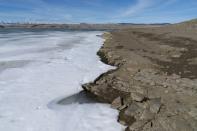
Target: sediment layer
[(155, 84)]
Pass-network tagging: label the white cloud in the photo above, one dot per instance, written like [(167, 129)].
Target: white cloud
[(36, 11), (145, 5), (138, 7)]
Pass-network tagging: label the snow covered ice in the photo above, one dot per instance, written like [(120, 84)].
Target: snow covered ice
[(37, 69)]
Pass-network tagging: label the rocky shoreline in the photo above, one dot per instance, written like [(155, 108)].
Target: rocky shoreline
[(154, 86)]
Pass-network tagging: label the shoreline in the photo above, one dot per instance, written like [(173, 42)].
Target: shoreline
[(103, 58), (149, 97)]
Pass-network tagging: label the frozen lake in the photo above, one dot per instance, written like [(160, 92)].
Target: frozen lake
[(40, 82)]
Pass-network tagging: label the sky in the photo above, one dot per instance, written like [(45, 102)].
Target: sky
[(98, 11)]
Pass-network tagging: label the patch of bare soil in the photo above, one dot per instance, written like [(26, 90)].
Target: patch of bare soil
[(155, 84)]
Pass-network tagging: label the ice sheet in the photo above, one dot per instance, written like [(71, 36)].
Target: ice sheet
[(40, 68)]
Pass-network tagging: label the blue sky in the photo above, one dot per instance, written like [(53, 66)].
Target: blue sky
[(97, 11)]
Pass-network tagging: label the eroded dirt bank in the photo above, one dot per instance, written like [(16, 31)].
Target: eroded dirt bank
[(155, 84)]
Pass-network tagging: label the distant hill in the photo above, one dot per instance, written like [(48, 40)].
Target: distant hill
[(144, 24), (186, 25), (81, 26), (1, 26), (193, 21), (190, 24)]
